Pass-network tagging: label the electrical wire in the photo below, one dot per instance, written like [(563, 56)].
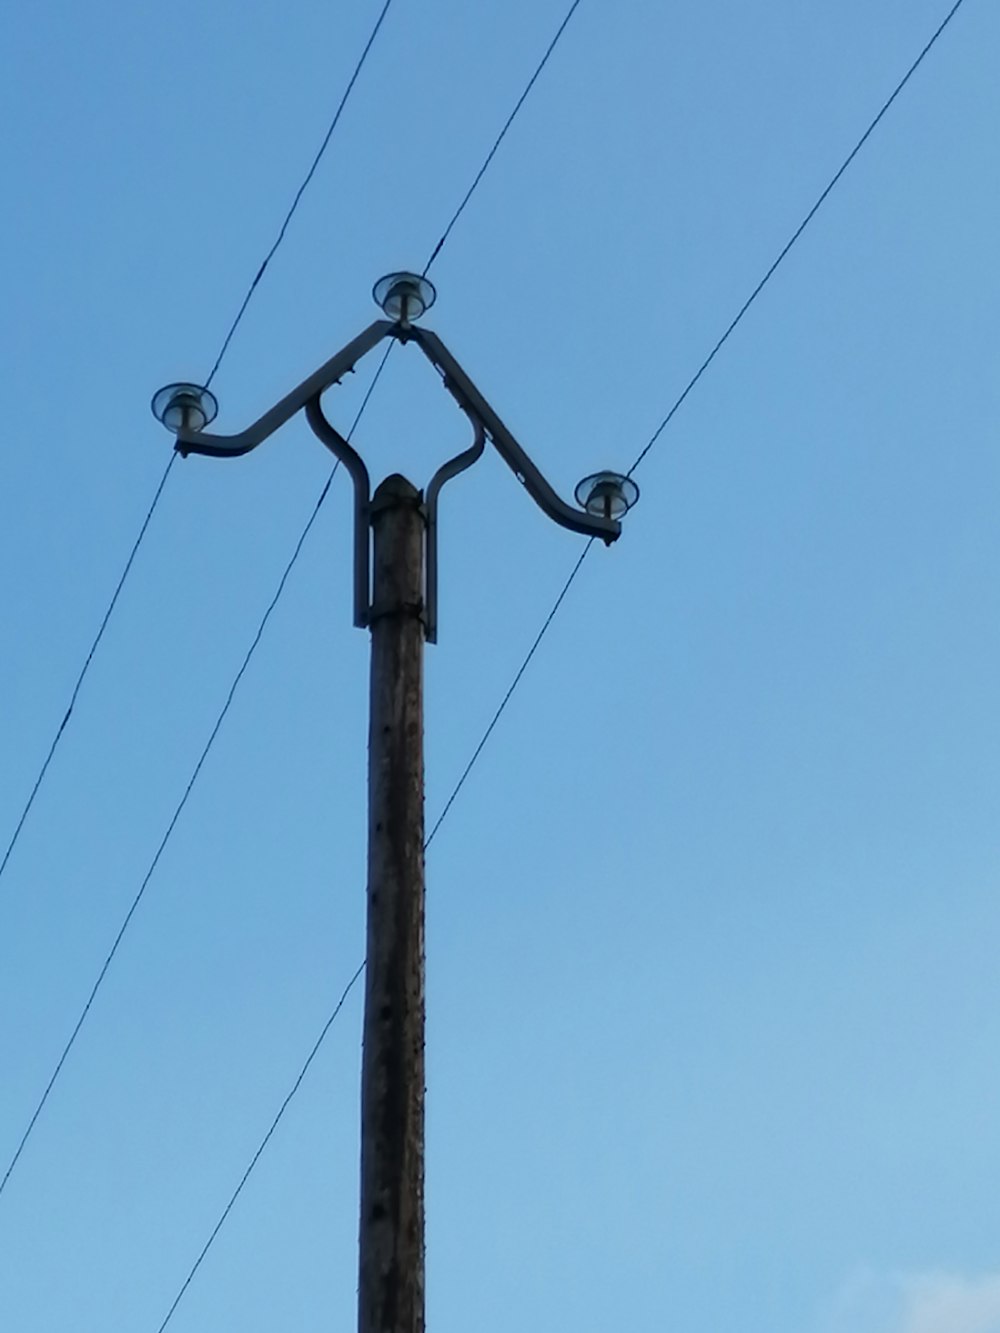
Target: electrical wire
[(300, 191), (507, 697), (501, 136), (694, 380), (126, 922), (86, 667), (159, 851), (737, 318), (263, 1144), (159, 490)]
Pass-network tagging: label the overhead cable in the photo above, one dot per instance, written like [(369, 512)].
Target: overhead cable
[(696, 377), (159, 490), (85, 668), (782, 254), (263, 1144), (501, 136), (126, 922), (510, 690), (299, 192)]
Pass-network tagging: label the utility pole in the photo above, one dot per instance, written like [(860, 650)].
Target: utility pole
[(391, 1269), (395, 596)]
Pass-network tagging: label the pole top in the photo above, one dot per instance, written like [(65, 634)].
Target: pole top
[(395, 490)]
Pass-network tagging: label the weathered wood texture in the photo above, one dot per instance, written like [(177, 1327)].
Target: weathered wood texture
[(391, 1279)]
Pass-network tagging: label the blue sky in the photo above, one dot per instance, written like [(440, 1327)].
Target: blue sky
[(712, 928)]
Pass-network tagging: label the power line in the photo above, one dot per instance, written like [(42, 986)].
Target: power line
[(263, 1144), (299, 192), (795, 235), (126, 922), (86, 667), (501, 136), (159, 490), (694, 380), (507, 697), (160, 849)]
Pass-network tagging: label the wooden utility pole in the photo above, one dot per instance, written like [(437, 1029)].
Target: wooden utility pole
[(398, 601), (391, 1275)]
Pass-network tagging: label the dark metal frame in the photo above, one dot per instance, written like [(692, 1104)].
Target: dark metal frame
[(485, 424)]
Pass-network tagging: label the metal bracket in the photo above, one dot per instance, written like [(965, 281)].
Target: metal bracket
[(485, 423), (473, 403), (354, 463), (232, 446), (444, 473)]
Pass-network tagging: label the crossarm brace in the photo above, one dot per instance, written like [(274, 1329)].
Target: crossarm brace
[(354, 463), (231, 446), (485, 423), (475, 405), (444, 473)]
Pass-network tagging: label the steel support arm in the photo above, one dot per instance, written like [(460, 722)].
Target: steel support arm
[(472, 401), (231, 446)]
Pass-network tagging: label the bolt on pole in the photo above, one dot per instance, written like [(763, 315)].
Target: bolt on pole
[(391, 1241)]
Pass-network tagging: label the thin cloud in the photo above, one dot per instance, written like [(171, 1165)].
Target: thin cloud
[(945, 1303), (934, 1302)]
